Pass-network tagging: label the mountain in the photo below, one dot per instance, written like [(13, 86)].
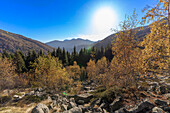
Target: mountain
[(69, 44), (12, 42), (108, 40)]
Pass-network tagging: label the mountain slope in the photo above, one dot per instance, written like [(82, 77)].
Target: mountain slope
[(69, 44), (12, 42), (108, 40)]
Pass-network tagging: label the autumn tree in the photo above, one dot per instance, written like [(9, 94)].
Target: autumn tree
[(74, 71), (156, 52), (49, 71), (123, 65), (91, 70), (101, 69), (7, 74)]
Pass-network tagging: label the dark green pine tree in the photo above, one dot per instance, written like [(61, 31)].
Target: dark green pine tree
[(69, 58), (53, 53), (74, 55), (108, 53), (64, 58), (19, 62), (59, 53), (81, 58), (30, 59), (41, 53)]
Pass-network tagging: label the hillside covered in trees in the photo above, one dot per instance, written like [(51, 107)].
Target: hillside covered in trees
[(128, 76), (13, 42)]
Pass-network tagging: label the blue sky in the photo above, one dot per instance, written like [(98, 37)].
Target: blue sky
[(47, 20)]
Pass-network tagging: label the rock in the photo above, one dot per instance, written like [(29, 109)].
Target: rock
[(93, 103), (160, 102), (74, 110), (153, 83), (84, 109), (85, 97), (121, 110), (157, 110), (65, 101), (39, 89), (166, 109), (142, 88), (63, 107), (96, 102), (97, 110), (167, 95), (81, 102), (142, 107), (152, 88), (104, 111), (116, 104), (54, 97), (72, 100), (17, 97), (87, 88), (40, 108), (103, 105), (163, 89), (71, 105)]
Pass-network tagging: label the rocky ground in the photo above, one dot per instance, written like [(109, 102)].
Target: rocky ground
[(153, 97)]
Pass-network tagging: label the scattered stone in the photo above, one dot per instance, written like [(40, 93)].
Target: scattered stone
[(85, 97), (71, 105), (63, 107), (142, 107), (81, 102), (72, 100), (40, 108), (160, 102), (74, 110), (116, 104), (121, 110), (166, 109), (157, 110), (87, 88)]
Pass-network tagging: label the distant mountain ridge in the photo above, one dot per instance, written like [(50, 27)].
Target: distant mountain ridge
[(108, 40), (12, 42), (69, 44)]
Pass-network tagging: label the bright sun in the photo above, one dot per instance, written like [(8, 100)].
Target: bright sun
[(104, 19)]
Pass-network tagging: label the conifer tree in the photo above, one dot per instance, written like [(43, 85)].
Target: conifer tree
[(64, 58), (19, 61)]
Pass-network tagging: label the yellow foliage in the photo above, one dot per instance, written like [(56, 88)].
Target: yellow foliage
[(74, 71), (7, 74), (48, 71)]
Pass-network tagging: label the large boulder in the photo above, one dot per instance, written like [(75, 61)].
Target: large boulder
[(64, 107), (160, 102), (74, 110), (157, 110), (85, 97), (142, 107), (40, 108), (71, 105), (116, 104)]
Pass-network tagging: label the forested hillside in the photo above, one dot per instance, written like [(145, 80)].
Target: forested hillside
[(13, 42)]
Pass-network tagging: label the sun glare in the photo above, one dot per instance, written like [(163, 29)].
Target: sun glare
[(104, 19)]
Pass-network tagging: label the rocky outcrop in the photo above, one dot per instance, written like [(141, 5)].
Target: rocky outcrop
[(40, 108), (142, 107), (83, 97)]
